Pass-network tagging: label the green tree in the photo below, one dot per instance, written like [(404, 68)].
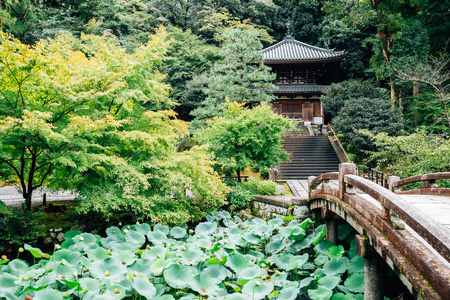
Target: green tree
[(244, 137), (374, 114), (80, 114), (17, 17), (338, 94), (240, 75)]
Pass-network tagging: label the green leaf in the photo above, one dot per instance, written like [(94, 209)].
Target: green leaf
[(204, 285), (319, 234), (135, 238), (192, 257), (356, 265), (252, 272), (340, 296), (72, 258), (288, 293), (48, 294), (336, 266), (329, 281), (217, 273), (205, 228), (36, 252), (321, 259), (178, 276), (143, 287), (323, 246), (355, 283), (238, 262), (7, 280), (160, 265), (178, 232), (109, 268), (321, 293), (257, 289), (336, 251)]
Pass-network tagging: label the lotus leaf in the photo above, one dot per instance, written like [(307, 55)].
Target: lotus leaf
[(217, 273), (125, 257), (205, 228), (97, 254), (114, 232), (155, 252), (276, 222), (235, 296), (257, 289), (305, 223), (321, 260), (141, 266), (110, 268), (288, 293), (329, 281), (48, 294), (160, 265), (340, 296), (143, 287), (321, 293), (306, 282), (323, 247), (336, 251), (7, 280), (275, 247), (304, 243), (319, 234), (238, 262), (178, 276), (36, 252), (135, 238), (16, 267), (70, 257), (336, 266), (166, 297), (204, 285), (252, 272), (252, 238), (157, 237), (192, 257), (178, 232), (355, 283), (356, 265)]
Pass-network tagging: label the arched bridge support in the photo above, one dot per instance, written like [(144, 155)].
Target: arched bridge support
[(416, 248)]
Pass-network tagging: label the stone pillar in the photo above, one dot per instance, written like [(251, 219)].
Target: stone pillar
[(391, 181), (345, 169), (374, 269), (331, 224)]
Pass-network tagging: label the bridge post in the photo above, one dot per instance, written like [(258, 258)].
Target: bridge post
[(331, 224), (391, 181), (373, 269), (345, 169)]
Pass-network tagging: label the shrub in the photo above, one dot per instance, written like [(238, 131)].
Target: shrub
[(18, 227), (265, 188), (239, 196)]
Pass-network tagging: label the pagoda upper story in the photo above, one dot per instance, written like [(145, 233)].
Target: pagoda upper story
[(302, 67)]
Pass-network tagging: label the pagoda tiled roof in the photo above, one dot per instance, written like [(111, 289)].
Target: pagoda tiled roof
[(300, 88), (293, 50)]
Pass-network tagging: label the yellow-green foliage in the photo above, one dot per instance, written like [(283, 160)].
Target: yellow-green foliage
[(84, 114)]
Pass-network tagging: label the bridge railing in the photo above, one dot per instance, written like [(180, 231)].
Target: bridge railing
[(428, 187), (374, 175)]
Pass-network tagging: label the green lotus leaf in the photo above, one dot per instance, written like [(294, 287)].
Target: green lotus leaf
[(204, 242), (110, 268), (288, 293), (224, 214), (257, 289), (70, 257), (275, 247), (114, 232), (217, 261), (329, 281), (166, 297), (84, 242), (98, 254), (210, 218), (192, 257), (141, 266), (204, 285), (134, 237), (355, 283), (279, 279), (59, 270), (157, 237), (286, 231), (48, 294), (70, 234), (336, 251), (276, 222), (255, 254), (124, 257), (160, 289), (235, 296), (323, 247), (340, 296), (356, 265), (359, 297), (321, 260), (217, 273), (16, 267), (178, 232), (155, 252), (91, 284), (160, 265), (304, 243), (189, 297), (143, 287), (298, 234), (36, 252), (321, 293), (252, 238), (306, 282), (32, 273), (164, 229), (238, 262), (7, 280), (287, 261), (96, 296), (252, 272), (178, 276), (116, 290), (305, 223), (319, 234), (336, 266), (205, 228), (263, 230), (143, 228)]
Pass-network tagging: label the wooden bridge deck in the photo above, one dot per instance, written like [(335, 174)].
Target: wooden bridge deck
[(435, 207)]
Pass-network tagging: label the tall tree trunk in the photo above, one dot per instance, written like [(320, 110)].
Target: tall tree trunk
[(238, 172), (416, 89)]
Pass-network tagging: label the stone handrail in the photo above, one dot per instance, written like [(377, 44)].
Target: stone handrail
[(435, 234), (339, 143), (427, 188), (315, 181)]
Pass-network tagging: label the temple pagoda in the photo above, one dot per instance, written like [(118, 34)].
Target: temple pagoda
[(303, 73)]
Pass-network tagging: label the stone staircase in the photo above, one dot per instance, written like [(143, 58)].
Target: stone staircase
[(310, 156)]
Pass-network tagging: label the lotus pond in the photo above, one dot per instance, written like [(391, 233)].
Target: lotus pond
[(223, 258)]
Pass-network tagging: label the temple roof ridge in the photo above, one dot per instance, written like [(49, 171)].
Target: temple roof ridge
[(290, 49)]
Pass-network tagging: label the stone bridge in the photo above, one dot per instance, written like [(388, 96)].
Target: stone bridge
[(404, 229)]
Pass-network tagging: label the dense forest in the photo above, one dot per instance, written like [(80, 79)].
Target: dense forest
[(115, 95)]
